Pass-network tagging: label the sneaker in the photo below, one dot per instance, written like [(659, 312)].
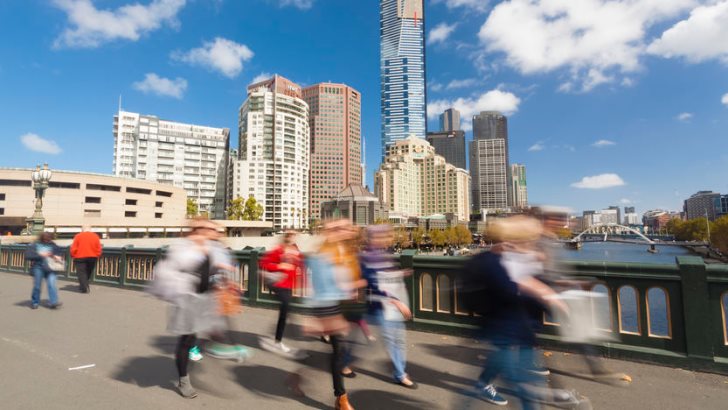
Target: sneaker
[(490, 394), (541, 371), (195, 354), (283, 348), (34, 306), (56, 305)]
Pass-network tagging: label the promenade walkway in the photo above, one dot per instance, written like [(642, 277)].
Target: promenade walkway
[(121, 332)]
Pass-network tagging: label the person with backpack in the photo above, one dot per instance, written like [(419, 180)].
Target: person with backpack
[(45, 259)]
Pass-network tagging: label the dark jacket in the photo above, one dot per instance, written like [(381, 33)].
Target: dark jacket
[(488, 291), (31, 253)]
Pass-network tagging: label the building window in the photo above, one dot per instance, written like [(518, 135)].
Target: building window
[(92, 213), (130, 214), (139, 191), (92, 200), (158, 215), (164, 193), (2, 197), (158, 204), (64, 185), (99, 187), (14, 182), (131, 202), (2, 211)]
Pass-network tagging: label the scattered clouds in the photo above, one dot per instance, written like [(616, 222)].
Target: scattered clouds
[(625, 201), (702, 36), (440, 33), (154, 84), (493, 100), (299, 4), (724, 100), (36, 143), (593, 41), (476, 5), (221, 54), (603, 143), (684, 116), (260, 77), (90, 27), (536, 147), (600, 181), (435, 86), (464, 83)]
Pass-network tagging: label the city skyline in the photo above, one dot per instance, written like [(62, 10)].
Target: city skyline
[(605, 124)]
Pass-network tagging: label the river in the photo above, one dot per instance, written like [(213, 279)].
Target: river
[(623, 252)]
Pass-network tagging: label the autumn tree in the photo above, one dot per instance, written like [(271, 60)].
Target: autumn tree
[(192, 208)]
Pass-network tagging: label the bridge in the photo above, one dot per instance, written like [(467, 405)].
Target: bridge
[(609, 233), (120, 331)]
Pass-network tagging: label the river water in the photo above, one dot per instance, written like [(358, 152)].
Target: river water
[(623, 252)]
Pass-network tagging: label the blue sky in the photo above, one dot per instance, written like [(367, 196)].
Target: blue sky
[(609, 102)]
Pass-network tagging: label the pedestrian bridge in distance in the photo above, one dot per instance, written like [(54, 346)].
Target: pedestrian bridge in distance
[(678, 322), (610, 233)]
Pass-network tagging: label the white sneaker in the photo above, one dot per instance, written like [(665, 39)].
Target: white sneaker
[(283, 348)]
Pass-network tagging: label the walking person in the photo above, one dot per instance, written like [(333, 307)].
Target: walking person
[(184, 278), (86, 251), (45, 259), (387, 296), (281, 265)]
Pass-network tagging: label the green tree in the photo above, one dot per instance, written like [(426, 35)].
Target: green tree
[(401, 237), (437, 237), (418, 235), (192, 208), (463, 235), (253, 211), (719, 234), (692, 230), (236, 209), (451, 237)]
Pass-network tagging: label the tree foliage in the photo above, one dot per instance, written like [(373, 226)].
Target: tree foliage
[(691, 230), (192, 208), (418, 236), (235, 209), (437, 237), (253, 211)]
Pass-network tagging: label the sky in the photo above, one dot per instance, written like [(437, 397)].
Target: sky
[(609, 102)]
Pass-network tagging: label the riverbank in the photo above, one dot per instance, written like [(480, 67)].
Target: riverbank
[(709, 255)]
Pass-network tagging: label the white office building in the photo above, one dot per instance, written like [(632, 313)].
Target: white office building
[(274, 154), (192, 157)]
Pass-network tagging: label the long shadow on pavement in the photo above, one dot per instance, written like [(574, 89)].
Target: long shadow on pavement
[(155, 371), (377, 399), (270, 382)]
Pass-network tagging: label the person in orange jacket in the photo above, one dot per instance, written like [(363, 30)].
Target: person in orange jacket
[(85, 250)]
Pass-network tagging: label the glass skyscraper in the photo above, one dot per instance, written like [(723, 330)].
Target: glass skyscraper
[(402, 65)]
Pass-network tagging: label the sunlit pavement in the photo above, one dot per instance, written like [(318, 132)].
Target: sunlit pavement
[(121, 333)]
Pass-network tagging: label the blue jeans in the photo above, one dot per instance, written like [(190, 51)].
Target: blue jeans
[(39, 272), (395, 340), (512, 361)]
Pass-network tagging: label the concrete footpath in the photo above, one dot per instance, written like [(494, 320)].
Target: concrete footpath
[(121, 333)]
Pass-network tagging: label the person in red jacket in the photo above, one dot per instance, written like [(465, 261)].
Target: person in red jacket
[(86, 250), (281, 265)]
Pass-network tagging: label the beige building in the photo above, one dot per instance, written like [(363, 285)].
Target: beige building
[(415, 181), (335, 121), (113, 206)]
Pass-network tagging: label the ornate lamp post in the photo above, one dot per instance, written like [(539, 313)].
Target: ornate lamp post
[(41, 177)]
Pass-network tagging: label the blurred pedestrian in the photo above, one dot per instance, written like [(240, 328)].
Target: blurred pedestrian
[(281, 265), (86, 251), (387, 297), (45, 260), (184, 278)]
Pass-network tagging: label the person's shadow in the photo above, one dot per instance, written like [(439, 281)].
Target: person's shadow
[(271, 383), (377, 399), (148, 372)]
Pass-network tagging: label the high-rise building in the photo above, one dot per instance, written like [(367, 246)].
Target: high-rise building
[(489, 168), (450, 120), (518, 186), (402, 70), (619, 213), (706, 204), (274, 153), (629, 210), (335, 128), (415, 181), (449, 144), (193, 157)]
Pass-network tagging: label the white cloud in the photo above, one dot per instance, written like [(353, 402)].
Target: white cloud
[(536, 147), (221, 54), (493, 100), (724, 100), (700, 37), (603, 143), (625, 201), (435, 86), (476, 5), (260, 77), (91, 27), (684, 116), (300, 4), (464, 83), (600, 181), (440, 33), (594, 41), (36, 143), (154, 84)]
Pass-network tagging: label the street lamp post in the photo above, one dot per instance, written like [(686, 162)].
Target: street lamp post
[(40, 177)]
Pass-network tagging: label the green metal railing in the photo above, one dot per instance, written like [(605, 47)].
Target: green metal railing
[(670, 314)]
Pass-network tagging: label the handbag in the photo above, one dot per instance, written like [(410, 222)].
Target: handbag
[(55, 265)]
